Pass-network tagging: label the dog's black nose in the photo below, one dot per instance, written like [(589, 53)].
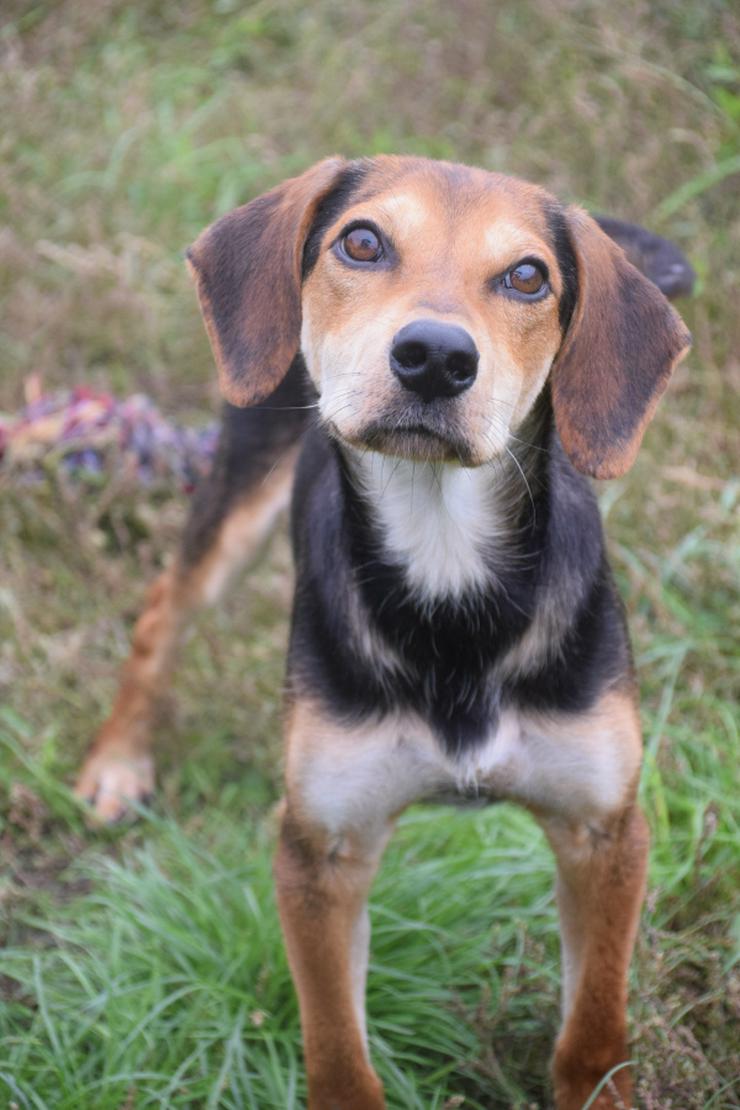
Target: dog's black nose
[(434, 359)]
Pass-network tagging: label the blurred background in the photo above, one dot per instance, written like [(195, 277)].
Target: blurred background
[(143, 965)]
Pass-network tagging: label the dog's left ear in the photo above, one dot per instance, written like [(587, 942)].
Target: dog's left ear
[(622, 344), (247, 269)]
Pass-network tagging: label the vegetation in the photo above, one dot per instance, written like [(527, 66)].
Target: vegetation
[(142, 967)]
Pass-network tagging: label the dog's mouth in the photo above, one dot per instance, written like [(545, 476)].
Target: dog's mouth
[(424, 438)]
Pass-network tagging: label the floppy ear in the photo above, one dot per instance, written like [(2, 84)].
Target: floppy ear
[(247, 269), (623, 341)]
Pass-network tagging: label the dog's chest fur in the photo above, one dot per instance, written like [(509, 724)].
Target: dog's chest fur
[(440, 524), (444, 585), (364, 773), (448, 593)]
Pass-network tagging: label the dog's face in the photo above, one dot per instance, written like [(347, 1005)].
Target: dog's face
[(431, 314), (432, 302)]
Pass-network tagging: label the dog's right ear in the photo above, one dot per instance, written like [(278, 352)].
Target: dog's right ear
[(247, 269)]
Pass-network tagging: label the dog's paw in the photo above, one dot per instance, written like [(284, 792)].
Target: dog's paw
[(578, 1090), (593, 1074), (113, 783)]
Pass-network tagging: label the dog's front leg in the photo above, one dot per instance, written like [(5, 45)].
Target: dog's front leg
[(346, 784), (322, 886), (601, 882)]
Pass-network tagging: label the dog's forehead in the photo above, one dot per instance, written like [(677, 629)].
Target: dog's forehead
[(416, 193)]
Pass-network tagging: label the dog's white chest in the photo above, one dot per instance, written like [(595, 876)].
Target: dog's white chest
[(559, 763), (437, 522), (362, 776), (377, 769)]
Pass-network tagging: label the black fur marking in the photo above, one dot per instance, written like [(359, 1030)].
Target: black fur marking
[(329, 210), (566, 257), (252, 441), (449, 655)]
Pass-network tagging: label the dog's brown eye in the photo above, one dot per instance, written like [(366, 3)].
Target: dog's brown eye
[(362, 245), (526, 278)]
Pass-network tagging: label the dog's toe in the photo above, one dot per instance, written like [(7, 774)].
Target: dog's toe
[(114, 784)]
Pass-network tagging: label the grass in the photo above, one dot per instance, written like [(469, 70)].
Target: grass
[(143, 967)]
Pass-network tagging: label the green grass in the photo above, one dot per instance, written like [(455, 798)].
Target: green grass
[(143, 967), (189, 999)]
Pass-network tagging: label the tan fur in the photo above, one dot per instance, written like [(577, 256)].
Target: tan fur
[(454, 243), (601, 881), (321, 898)]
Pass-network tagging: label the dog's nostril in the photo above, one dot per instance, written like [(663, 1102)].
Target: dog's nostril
[(460, 365), (411, 355)]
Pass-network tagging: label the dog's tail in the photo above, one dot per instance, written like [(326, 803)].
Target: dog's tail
[(657, 258)]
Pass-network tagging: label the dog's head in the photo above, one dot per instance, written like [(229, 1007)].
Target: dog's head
[(432, 302)]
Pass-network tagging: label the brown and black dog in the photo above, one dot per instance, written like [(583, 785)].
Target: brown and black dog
[(460, 351)]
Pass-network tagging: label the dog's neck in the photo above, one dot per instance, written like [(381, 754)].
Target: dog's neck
[(448, 527), (439, 522), (457, 592)]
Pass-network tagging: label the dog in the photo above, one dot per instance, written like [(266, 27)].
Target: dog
[(443, 356)]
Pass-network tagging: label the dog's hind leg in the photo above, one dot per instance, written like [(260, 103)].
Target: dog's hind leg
[(233, 513)]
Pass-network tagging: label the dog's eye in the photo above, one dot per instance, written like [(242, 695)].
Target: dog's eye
[(527, 278), (362, 245)]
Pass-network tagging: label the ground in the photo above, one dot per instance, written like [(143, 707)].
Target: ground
[(143, 966)]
